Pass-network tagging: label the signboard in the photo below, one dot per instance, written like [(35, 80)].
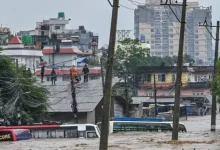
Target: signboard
[(5, 136)]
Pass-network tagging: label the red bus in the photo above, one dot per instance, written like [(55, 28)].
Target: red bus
[(61, 131), (14, 134)]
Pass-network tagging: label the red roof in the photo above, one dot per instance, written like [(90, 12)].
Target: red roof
[(15, 40), (67, 72), (63, 51)]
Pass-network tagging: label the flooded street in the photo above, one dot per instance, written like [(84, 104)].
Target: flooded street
[(198, 137)]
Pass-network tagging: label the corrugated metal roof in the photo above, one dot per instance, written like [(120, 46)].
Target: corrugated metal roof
[(88, 95), (139, 100)]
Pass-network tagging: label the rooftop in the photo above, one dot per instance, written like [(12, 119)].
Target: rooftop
[(88, 95)]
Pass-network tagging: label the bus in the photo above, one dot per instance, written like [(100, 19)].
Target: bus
[(61, 131), (14, 134), (124, 126)]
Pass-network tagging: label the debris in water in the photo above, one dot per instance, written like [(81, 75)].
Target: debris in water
[(186, 142)]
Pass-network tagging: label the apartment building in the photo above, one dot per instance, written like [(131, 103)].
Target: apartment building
[(158, 25)]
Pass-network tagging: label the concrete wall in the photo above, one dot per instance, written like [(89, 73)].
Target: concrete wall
[(63, 59), (91, 117)]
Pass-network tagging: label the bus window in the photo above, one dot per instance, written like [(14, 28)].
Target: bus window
[(91, 135), (59, 133), (81, 134), (90, 128), (42, 133), (35, 134), (52, 134), (70, 133)]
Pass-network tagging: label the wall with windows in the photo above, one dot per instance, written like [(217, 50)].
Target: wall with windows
[(163, 77)]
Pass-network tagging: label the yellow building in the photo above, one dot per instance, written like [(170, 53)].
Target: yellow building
[(164, 76)]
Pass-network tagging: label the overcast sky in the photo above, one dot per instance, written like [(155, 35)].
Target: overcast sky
[(95, 15)]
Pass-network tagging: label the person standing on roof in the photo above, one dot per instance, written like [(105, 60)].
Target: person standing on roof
[(74, 73), (85, 71), (53, 76)]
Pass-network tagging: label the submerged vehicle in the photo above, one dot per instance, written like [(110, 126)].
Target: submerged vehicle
[(61, 131), (125, 126)]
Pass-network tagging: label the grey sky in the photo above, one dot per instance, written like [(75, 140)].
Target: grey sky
[(95, 15)]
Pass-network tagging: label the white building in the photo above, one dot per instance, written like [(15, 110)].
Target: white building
[(16, 50), (157, 25)]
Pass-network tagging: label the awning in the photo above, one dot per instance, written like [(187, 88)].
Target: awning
[(80, 60)]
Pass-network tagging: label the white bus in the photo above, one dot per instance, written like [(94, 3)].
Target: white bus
[(61, 131)]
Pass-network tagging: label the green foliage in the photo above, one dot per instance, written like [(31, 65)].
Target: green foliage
[(19, 89), (188, 59), (215, 84), (129, 54)]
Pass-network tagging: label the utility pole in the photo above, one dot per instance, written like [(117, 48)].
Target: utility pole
[(16, 64), (102, 70), (108, 82), (179, 66), (126, 97), (73, 93), (155, 95), (213, 115)]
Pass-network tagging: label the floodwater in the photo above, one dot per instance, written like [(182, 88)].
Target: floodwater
[(198, 137)]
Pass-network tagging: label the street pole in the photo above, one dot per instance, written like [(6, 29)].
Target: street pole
[(126, 97), (108, 82), (73, 93), (102, 70), (179, 75), (155, 95), (16, 64), (213, 116)]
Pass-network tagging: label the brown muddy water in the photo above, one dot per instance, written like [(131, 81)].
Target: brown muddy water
[(198, 137)]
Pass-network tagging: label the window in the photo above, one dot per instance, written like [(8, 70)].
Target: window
[(171, 36), (196, 36), (157, 42), (161, 77), (147, 78), (171, 41), (152, 36), (152, 30), (196, 42), (196, 79), (196, 31), (171, 30), (152, 42), (57, 27), (171, 47), (173, 78)]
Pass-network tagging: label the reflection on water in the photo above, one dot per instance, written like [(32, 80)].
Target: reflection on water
[(198, 131)]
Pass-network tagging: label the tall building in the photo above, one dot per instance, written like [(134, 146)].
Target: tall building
[(157, 25)]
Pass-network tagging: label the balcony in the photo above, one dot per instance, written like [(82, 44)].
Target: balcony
[(198, 84)]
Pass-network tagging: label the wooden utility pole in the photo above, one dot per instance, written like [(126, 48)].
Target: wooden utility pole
[(155, 95), (179, 75), (16, 64), (213, 115), (102, 70), (108, 80), (126, 97), (73, 93)]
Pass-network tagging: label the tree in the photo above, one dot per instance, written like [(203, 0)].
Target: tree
[(129, 54), (20, 90), (215, 84), (188, 59)]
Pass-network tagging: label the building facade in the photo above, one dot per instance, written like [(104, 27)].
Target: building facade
[(80, 37), (194, 81), (158, 25), (30, 58)]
